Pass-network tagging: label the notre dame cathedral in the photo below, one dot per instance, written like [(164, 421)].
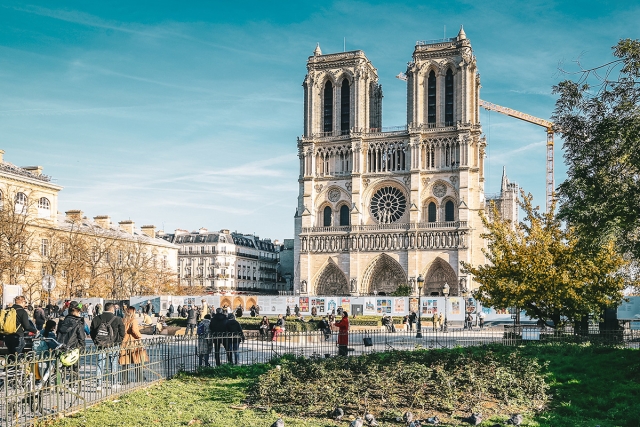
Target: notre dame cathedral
[(377, 208)]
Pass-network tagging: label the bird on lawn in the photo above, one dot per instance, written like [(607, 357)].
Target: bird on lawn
[(407, 417), (515, 420), (433, 420), (358, 422), (370, 419), (415, 423), (337, 414), (474, 419), (278, 423)]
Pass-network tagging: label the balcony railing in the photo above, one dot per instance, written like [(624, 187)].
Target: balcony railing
[(387, 227)]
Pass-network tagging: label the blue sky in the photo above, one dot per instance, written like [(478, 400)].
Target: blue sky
[(185, 114)]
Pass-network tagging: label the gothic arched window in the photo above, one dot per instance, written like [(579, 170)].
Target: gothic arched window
[(345, 107), (449, 213), (328, 107), (432, 214), (431, 98), (448, 98), (327, 217), (344, 215)]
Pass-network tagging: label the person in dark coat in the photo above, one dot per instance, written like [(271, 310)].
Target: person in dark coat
[(323, 325), (117, 326), (239, 311), (39, 317), (218, 328), (192, 321), (147, 308), (171, 310), (233, 339), (15, 342), (71, 329)]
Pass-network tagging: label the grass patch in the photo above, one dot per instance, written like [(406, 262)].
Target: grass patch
[(587, 386)]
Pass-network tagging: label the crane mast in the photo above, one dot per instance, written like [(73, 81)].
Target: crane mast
[(550, 185)]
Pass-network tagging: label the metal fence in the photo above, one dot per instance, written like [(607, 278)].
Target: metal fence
[(36, 387)]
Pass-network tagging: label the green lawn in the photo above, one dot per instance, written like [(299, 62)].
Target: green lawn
[(589, 386)]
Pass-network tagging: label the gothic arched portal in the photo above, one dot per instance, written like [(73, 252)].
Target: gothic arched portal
[(383, 276), (332, 281), (439, 273)]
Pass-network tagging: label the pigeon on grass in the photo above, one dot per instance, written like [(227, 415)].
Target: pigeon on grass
[(515, 420), (473, 419), (433, 420), (358, 422), (407, 417), (371, 420), (337, 414), (278, 423)]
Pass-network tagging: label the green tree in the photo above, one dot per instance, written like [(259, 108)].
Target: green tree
[(598, 116), (402, 291), (539, 266)]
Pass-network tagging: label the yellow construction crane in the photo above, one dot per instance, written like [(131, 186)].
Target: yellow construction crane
[(536, 121)]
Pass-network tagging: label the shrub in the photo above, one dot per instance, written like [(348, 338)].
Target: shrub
[(460, 380)]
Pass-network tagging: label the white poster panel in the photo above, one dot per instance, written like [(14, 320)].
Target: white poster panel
[(629, 310), (399, 305), (369, 306), (273, 304), (332, 304), (9, 293)]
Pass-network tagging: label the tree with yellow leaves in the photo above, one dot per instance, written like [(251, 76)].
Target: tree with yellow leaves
[(539, 266)]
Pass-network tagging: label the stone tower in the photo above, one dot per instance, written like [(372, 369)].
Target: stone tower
[(378, 208)]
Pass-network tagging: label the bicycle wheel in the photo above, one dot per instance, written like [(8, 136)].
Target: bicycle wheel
[(19, 396)]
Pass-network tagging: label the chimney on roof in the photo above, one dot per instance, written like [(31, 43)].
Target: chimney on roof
[(181, 231), (149, 231), (1, 156), (36, 170), (224, 231), (202, 230), (127, 226), (102, 221), (74, 215)]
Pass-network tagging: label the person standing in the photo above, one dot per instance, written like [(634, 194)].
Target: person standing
[(147, 308), (131, 350), (192, 321), (218, 328), (412, 319), (265, 327), (39, 317), (204, 311), (343, 334), (296, 310), (171, 310), (90, 311), (106, 331), (481, 316), (204, 341), (71, 331), (252, 311), (239, 312), (15, 341), (234, 337), (323, 325), (288, 312)]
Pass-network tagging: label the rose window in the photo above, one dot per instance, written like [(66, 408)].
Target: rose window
[(388, 205)]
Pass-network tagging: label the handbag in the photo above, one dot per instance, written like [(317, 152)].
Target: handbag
[(367, 341)]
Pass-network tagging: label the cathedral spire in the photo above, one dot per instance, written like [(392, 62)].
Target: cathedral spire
[(505, 180), (462, 35), (317, 51)]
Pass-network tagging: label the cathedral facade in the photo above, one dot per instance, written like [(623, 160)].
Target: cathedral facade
[(379, 208)]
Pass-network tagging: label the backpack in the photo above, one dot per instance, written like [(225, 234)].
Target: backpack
[(9, 321), (203, 328), (105, 337)]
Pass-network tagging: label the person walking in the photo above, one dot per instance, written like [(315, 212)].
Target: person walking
[(107, 331), (170, 311), (296, 310), (71, 331), (131, 350), (218, 328), (204, 341), (234, 337), (468, 322), (204, 311), (288, 312), (192, 321), (343, 334), (279, 328), (481, 316), (15, 341), (412, 319)]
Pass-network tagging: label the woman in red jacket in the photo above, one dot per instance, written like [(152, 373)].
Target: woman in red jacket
[(343, 335)]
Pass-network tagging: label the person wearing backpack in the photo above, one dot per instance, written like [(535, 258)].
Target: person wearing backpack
[(71, 331), (15, 322), (107, 331)]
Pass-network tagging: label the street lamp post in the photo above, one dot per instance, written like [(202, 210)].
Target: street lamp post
[(419, 328), (445, 292)]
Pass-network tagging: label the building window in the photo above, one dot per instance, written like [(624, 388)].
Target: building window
[(44, 247), (43, 203), (21, 203), (431, 98), (448, 98), (344, 215), (327, 217), (328, 107), (432, 212), (449, 214), (345, 107)]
